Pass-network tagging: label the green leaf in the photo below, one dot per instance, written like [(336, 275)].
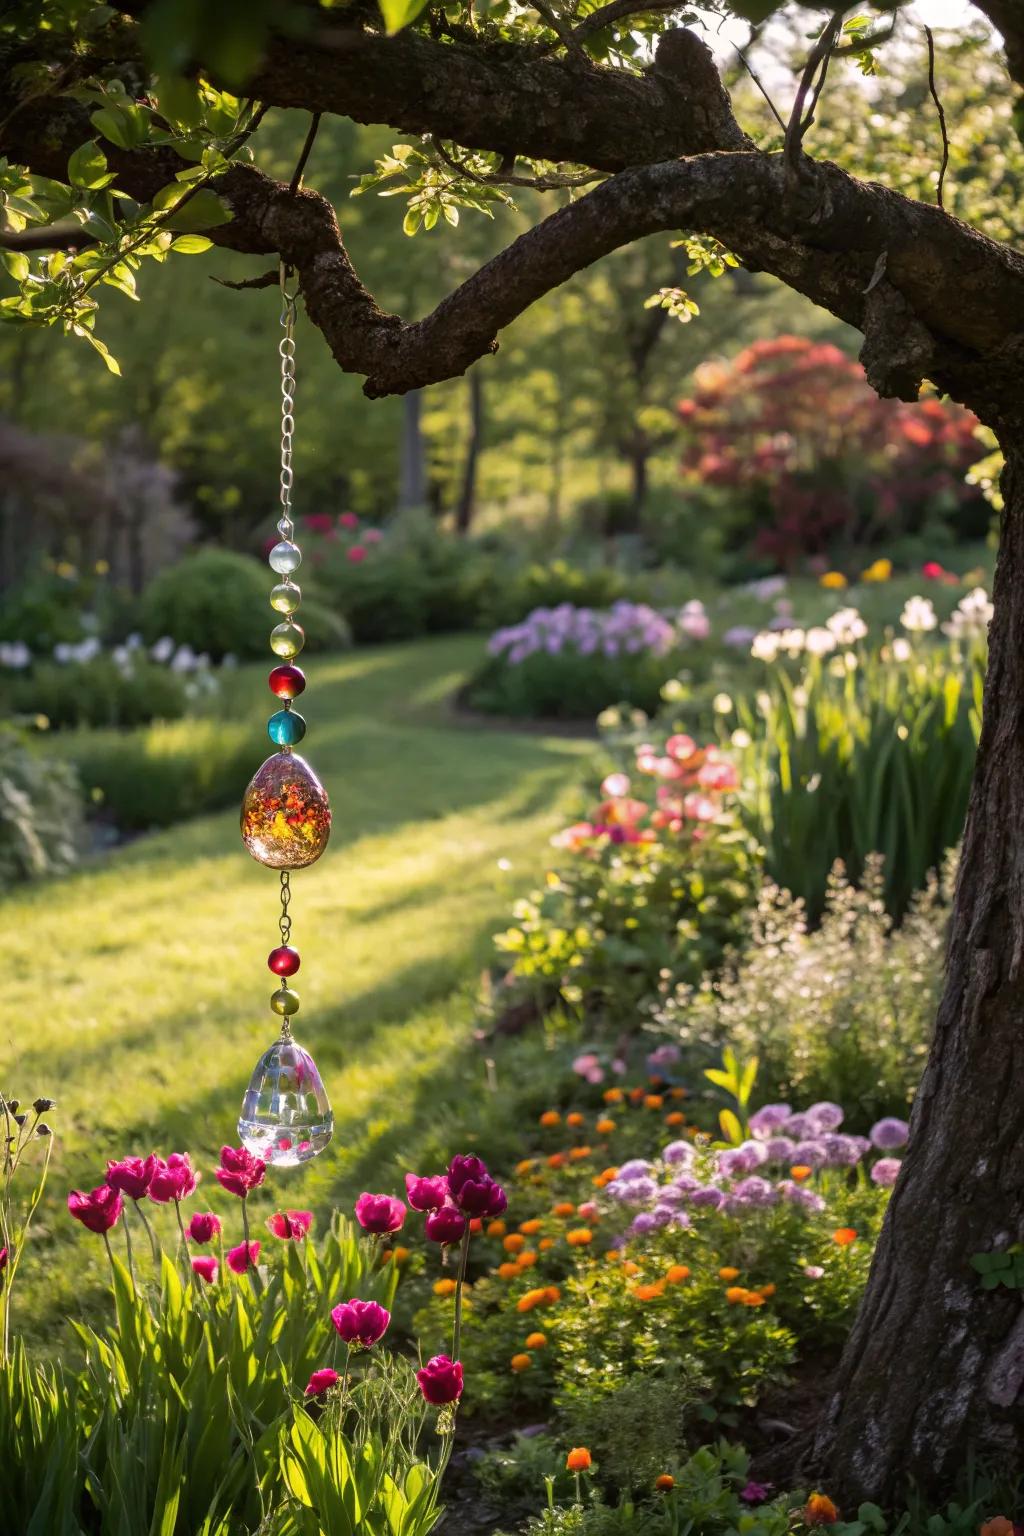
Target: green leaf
[(191, 245), (731, 1128), (203, 210), (399, 13), (87, 167), (125, 125), (94, 341), (17, 264)]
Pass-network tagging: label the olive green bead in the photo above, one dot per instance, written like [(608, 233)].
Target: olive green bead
[(285, 1001), (285, 597), (287, 639)]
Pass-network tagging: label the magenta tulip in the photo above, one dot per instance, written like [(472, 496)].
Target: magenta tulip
[(206, 1267), (379, 1213), (243, 1257), (426, 1194), (363, 1323), (203, 1226), (173, 1179), (473, 1189), (322, 1381), (239, 1171), (446, 1225), (441, 1380), (132, 1175), (98, 1211), (290, 1224)]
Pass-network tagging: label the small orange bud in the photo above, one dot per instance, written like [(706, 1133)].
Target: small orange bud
[(536, 1341), (753, 1299), (728, 1273), (551, 1293), (613, 1095), (550, 1117), (513, 1242), (653, 1101), (665, 1483), (649, 1292), (678, 1093), (399, 1255), (604, 1126), (675, 1118), (564, 1208), (629, 1267), (508, 1271), (525, 1166), (578, 1459), (546, 1243), (476, 1224), (575, 1119), (613, 1255), (556, 1160), (531, 1226), (820, 1510), (579, 1153), (735, 1294), (521, 1362), (497, 1229), (767, 1290), (579, 1237), (677, 1274), (801, 1172), (445, 1287), (844, 1236), (526, 1260)]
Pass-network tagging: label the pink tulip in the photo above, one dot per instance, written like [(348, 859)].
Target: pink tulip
[(239, 1171), (3, 1260), (441, 1380), (98, 1211), (379, 1213), (356, 554), (348, 519), (322, 1381), (203, 1226), (446, 1225), (473, 1189), (243, 1257), (426, 1194), (290, 1224), (206, 1267), (363, 1323), (132, 1175), (172, 1180)]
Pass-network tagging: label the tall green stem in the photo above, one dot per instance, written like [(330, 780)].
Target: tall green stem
[(463, 1261), (154, 1245)]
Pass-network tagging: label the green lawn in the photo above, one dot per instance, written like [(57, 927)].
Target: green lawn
[(139, 994)]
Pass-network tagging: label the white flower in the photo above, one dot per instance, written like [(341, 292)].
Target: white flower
[(847, 626), (184, 659), (792, 641), (765, 646), (820, 641), (721, 704), (901, 649), (15, 654), (971, 616), (918, 615), (740, 739), (163, 650), (673, 691)]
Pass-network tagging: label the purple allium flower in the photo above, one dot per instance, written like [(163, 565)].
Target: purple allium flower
[(798, 1195), (811, 1152), (634, 1168), (889, 1134), (663, 1213), (799, 1126), (779, 1149), (663, 1056), (769, 1118), (844, 1151), (636, 1191), (680, 1219), (886, 1171), (754, 1191), (735, 1161), (644, 1222), (825, 1116), (708, 1196), (678, 1152), (755, 1150)]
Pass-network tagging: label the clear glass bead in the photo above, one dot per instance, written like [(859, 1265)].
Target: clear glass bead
[(285, 597), (285, 557), (286, 815), (286, 1116)]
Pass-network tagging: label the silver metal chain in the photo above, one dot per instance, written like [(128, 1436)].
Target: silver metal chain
[(286, 349)]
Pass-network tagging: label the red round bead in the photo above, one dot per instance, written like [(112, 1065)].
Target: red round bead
[(287, 682), (284, 961)]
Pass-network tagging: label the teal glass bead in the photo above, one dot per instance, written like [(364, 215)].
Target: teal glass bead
[(286, 728), (287, 639)]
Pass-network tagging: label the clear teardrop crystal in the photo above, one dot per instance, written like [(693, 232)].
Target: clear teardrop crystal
[(286, 1116), (286, 816)]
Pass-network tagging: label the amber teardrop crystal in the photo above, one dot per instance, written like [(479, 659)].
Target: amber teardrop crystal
[(286, 816)]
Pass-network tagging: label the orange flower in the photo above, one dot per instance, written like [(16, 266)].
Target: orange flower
[(753, 1299), (536, 1340), (521, 1362), (526, 1260), (531, 1226), (834, 580), (650, 1291), (497, 1229), (578, 1459), (530, 1299), (476, 1224), (399, 1255), (575, 1119), (525, 1166), (653, 1101), (636, 1095), (675, 1118), (734, 1294), (819, 1510), (844, 1236), (997, 1526), (728, 1273), (801, 1172), (613, 1255), (552, 1293), (604, 1126), (677, 1093), (579, 1153), (767, 1290), (445, 1287), (508, 1271), (556, 1159), (546, 1243), (564, 1208), (387, 1255), (630, 1268), (513, 1242), (605, 1177), (612, 1095), (665, 1483), (579, 1237), (677, 1274), (551, 1117)]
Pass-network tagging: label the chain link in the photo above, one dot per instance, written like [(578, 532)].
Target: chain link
[(285, 922), (286, 351)]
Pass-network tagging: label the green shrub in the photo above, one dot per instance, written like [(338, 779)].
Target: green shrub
[(217, 602), (164, 773), (844, 1011), (546, 586), (40, 812), (97, 693)]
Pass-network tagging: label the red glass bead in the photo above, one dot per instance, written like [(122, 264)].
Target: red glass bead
[(284, 961), (287, 681)]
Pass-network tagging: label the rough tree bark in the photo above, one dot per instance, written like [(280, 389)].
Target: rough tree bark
[(935, 1365)]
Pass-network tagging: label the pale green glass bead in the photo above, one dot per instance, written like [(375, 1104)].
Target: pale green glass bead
[(285, 597), (285, 557), (285, 1001), (287, 639)]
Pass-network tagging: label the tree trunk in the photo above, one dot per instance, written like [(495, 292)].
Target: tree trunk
[(467, 496), (638, 474), (934, 1367), (412, 489)]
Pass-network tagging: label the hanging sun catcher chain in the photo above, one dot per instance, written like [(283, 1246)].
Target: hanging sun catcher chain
[(286, 821)]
